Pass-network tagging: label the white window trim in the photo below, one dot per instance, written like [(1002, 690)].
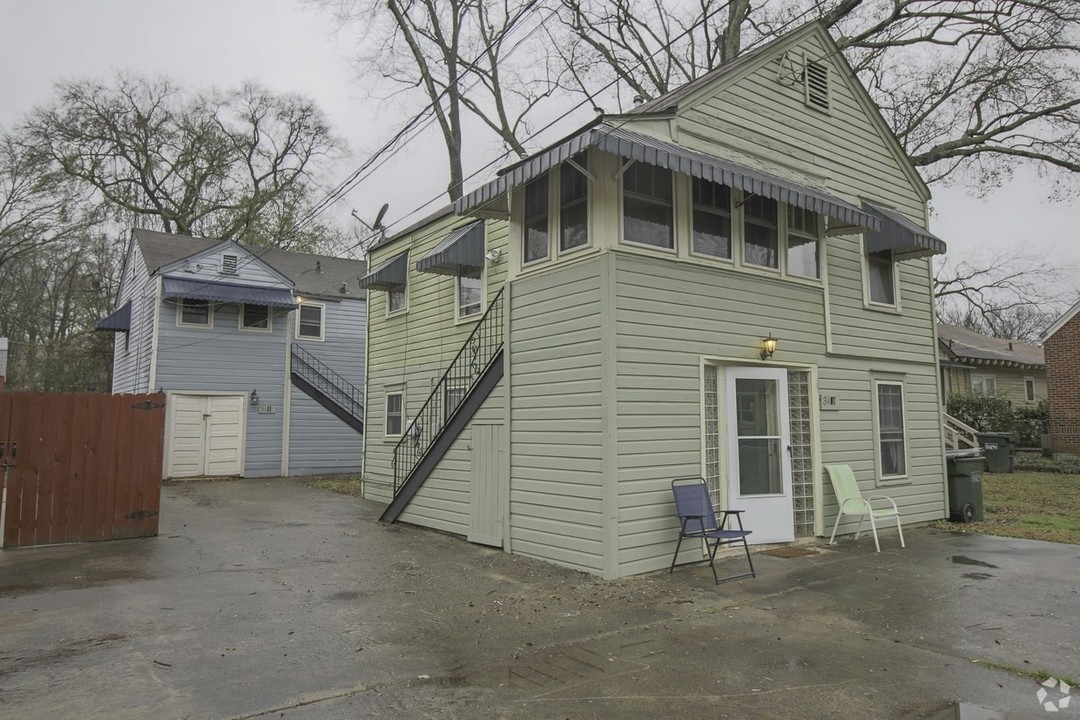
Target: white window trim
[(460, 319), (869, 304), (397, 390), (555, 249), (208, 325), (674, 249), (446, 392), (1033, 395), (883, 479), (818, 238), (982, 378), (322, 321), (401, 310), (781, 244), (688, 190), (553, 222), (269, 321)]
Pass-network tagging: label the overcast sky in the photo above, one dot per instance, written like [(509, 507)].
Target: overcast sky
[(288, 48)]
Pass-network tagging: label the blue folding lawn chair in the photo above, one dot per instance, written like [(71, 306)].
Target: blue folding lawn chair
[(697, 519)]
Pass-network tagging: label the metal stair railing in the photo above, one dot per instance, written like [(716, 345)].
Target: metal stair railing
[(462, 375), (349, 397)]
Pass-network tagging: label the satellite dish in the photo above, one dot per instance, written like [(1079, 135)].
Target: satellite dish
[(378, 224)]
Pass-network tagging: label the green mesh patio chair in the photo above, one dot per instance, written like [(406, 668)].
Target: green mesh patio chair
[(697, 520), (852, 502)]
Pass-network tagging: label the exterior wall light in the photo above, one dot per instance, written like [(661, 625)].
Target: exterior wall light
[(254, 396), (768, 347), (493, 255)]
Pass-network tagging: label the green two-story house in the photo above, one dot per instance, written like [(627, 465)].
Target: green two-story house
[(733, 281)]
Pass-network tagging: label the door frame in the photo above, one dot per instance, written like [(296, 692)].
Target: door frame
[(245, 404), (722, 363)]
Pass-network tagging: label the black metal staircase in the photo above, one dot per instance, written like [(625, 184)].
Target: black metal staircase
[(467, 382), (328, 388)]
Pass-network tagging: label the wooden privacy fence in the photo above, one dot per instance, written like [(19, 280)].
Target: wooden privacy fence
[(79, 467)]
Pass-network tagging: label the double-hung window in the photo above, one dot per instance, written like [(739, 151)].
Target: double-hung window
[(761, 233), (195, 313), (983, 384), (1029, 389), (537, 235), (556, 205), (255, 318), (892, 451), (573, 204), (470, 293), (648, 206), (802, 242), (880, 277), (712, 219), (311, 321), (397, 298), (394, 416)]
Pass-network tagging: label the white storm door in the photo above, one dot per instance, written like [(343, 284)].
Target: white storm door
[(759, 468)]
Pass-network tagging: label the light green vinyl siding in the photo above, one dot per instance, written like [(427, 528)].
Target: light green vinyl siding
[(412, 350), (556, 447), (663, 329)]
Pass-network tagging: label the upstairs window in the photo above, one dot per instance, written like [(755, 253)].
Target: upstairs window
[(397, 298), (255, 318), (881, 278), (648, 206), (195, 313), (310, 321), (470, 291), (761, 235), (802, 242), (536, 234), (712, 219), (573, 204)]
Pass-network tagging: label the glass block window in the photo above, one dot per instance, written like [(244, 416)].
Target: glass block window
[(802, 459), (712, 436)]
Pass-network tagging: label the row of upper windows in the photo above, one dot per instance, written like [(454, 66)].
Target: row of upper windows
[(727, 225), (310, 325), (468, 297)]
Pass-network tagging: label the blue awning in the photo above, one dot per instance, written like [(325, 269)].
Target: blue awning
[(389, 275), (460, 253), (228, 293), (118, 321), (903, 237)]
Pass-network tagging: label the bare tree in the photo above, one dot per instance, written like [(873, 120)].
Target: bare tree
[(966, 86), (39, 207), (1008, 295), (455, 54), (210, 163)]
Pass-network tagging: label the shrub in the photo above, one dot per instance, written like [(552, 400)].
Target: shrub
[(1060, 463), (985, 413), (1029, 424)]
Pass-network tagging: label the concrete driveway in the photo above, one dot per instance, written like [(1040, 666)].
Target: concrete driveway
[(266, 598)]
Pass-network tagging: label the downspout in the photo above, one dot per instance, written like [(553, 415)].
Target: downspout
[(286, 403), (151, 376)]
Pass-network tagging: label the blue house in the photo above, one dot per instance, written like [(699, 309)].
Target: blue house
[(259, 351)]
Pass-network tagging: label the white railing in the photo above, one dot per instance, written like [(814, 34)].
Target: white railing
[(959, 436)]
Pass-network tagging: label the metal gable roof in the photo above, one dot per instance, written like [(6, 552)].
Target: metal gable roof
[(653, 151)]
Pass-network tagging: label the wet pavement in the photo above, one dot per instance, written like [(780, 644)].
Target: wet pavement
[(267, 598)]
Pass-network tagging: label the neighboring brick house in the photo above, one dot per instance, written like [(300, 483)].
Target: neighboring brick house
[(977, 363), (1062, 348)]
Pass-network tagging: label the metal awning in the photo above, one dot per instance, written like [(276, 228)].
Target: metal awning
[(118, 321), (649, 150), (902, 236), (459, 253), (227, 292), (388, 275)]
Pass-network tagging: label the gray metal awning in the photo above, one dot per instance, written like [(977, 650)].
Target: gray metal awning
[(227, 292), (387, 275), (904, 238), (649, 150), (117, 321), (459, 253)]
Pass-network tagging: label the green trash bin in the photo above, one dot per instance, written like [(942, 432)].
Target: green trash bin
[(965, 487), (999, 449)]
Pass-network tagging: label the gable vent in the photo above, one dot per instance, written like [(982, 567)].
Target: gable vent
[(228, 264), (816, 82)]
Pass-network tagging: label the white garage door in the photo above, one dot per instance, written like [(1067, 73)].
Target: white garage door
[(206, 435)]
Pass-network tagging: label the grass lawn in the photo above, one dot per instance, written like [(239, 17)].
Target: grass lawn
[(1033, 505)]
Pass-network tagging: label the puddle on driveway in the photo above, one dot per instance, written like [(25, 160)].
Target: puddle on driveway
[(962, 560)]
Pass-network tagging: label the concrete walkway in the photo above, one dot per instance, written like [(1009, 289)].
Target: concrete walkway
[(271, 599)]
